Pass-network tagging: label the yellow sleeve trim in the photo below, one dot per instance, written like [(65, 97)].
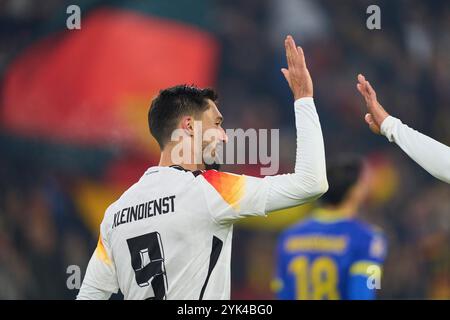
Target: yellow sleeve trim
[(101, 253), (276, 285), (364, 268)]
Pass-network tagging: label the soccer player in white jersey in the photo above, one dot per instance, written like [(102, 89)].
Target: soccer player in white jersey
[(169, 235), (430, 154)]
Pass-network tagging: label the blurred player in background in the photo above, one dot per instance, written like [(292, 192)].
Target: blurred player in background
[(331, 255), (169, 236), (430, 154)]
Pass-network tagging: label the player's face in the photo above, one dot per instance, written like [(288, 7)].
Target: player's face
[(213, 133)]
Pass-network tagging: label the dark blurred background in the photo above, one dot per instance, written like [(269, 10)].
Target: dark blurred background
[(74, 136)]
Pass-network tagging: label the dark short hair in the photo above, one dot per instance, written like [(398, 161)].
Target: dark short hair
[(173, 103), (343, 173)]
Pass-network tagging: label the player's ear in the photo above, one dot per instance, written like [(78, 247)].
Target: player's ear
[(187, 124)]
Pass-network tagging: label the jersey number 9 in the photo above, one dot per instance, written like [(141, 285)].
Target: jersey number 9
[(147, 260)]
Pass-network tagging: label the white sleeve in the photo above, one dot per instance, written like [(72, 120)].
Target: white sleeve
[(430, 154), (101, 271), (230, 197), (309, 180), (88, 292)]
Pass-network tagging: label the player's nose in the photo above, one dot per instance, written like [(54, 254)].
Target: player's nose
[(223, 135)]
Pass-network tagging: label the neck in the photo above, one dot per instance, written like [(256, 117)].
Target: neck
[(348, 208), (166, 161)]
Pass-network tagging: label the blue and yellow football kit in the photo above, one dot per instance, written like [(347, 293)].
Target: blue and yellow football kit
[(329, 257)]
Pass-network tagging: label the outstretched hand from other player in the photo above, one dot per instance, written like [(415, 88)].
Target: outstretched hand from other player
[(376, 113), (297, 74)]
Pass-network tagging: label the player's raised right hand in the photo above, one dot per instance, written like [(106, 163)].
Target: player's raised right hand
[(297, 74)]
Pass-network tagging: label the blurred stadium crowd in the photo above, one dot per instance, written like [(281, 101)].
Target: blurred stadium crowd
[(45, 183)]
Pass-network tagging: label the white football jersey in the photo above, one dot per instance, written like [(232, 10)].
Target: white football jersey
[(169, 236), (430, 154)]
